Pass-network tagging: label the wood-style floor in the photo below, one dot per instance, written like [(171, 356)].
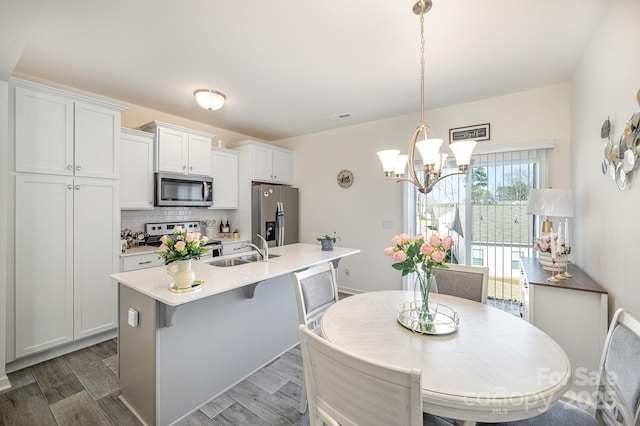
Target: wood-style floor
[(81, 388)]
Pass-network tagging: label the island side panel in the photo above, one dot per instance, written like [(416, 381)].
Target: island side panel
[(137, 353), (217, 341)]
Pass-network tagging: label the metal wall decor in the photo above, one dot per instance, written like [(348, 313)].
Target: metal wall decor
[(621, 157)]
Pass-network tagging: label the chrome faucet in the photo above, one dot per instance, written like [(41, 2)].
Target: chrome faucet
[(264, 251)]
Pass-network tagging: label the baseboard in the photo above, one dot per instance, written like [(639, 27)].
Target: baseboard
[(30, 360), (349, 291), (4, 383)]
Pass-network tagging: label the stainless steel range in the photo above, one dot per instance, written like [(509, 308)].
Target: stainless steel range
[(157, 230)]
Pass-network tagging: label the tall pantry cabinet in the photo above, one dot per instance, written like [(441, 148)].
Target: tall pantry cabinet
[(67, 217)]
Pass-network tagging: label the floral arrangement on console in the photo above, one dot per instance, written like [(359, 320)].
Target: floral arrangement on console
[(544, 245), (420, 256), (183, 246)]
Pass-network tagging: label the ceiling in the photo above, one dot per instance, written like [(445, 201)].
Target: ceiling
[(289, 67)]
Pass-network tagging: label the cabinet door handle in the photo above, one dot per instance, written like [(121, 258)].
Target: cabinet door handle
[(184, 167), (69, 167), (77, 186), (78, 168), (69, 186), (144, 263), (191, 168), (151, 202)]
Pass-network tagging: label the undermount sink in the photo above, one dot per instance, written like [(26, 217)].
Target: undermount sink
[(240, 260), (254, 257), (225, 263)]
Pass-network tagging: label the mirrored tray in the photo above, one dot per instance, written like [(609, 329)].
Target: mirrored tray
[(445, 320), (197, 285)]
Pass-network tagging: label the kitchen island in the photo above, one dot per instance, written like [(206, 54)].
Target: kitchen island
[(177, 351)]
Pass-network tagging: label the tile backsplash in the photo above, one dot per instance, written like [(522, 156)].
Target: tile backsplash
[(136, 219)]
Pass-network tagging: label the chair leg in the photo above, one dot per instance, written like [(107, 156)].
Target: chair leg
[(303, 399)]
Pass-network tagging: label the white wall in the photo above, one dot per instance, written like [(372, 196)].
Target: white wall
[(357, 213), (606, 224)]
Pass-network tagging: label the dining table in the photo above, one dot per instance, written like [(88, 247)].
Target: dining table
[(492, 367)]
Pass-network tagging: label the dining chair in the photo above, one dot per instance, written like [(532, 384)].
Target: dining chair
[(316, 289), (618, 391), (468, 282), (346, 389)]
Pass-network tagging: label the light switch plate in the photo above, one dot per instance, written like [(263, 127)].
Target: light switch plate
[(133, 317)]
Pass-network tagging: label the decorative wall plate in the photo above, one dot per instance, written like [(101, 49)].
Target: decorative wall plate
[(606, 128), (345, 178)]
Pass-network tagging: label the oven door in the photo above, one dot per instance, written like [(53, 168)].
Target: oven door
[(182, 190)]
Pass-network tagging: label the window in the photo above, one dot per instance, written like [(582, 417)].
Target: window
[(478, 257), (485, 213)]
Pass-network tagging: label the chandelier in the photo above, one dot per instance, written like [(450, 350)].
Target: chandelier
[(429, 147)]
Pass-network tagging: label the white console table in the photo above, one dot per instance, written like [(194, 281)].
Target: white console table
[(574, 313)]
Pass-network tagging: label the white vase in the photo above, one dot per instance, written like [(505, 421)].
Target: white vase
[(183, 276), (547, 263)]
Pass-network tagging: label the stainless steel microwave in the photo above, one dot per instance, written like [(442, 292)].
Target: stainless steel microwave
[(174, 189)]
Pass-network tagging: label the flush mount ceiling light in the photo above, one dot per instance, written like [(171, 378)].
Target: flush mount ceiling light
[(433, 159), (209, 99)]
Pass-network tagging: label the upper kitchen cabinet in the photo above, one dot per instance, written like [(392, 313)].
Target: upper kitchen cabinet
[(180, 150), (136, 170), (269, 163), (61, 133), (224, 170)]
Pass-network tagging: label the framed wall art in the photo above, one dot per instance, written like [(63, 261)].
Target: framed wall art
[(478, 132)]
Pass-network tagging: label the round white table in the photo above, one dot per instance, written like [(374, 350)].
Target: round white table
[(495, 367)]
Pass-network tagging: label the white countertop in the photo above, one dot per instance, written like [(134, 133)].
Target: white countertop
[(154, 282), (144, 249)]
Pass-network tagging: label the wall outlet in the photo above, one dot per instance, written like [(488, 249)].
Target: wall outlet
[(132, 318), (347, 271), (387, 224)]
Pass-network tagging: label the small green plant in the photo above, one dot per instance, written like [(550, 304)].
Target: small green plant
[(236, 231), (329, 237)]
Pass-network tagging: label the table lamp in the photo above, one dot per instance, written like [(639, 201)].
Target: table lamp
[(550, 202)]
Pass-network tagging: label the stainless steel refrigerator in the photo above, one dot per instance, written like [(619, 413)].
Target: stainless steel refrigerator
[(274, 214)]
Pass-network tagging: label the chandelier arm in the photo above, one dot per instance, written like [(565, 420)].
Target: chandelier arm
[(433, 183), (412, 166)]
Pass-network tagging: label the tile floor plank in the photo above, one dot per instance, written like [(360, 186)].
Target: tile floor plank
[(97, 378), (25, 406), (268, 380), (268, 407), (21, 377), (217, 406), (56, 380), (79, 409), (237, 414), (115, 410), (105, 349)]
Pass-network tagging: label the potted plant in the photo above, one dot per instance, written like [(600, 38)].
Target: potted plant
[(236, 234), (327, 241)]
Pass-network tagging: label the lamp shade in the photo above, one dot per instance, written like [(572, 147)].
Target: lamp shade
[(462, 151), (429, 150), (388, 159), (401, 165), (551, 202), (209, 99)]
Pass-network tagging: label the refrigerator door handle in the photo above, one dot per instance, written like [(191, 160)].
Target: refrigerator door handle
[(280, 224)]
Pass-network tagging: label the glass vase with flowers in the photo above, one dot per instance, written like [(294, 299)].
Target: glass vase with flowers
[(419, 256)]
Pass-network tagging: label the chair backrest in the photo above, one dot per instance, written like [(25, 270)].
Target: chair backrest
[(316, 289), (345, 389), (468, 282), (618, 401)]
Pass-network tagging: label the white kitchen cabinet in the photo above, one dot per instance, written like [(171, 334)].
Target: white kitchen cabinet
[(269, 164), (136, 170), (64, 134), (63, 291), (224, 170), (133, 262), (573, 312), (181, 150)]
